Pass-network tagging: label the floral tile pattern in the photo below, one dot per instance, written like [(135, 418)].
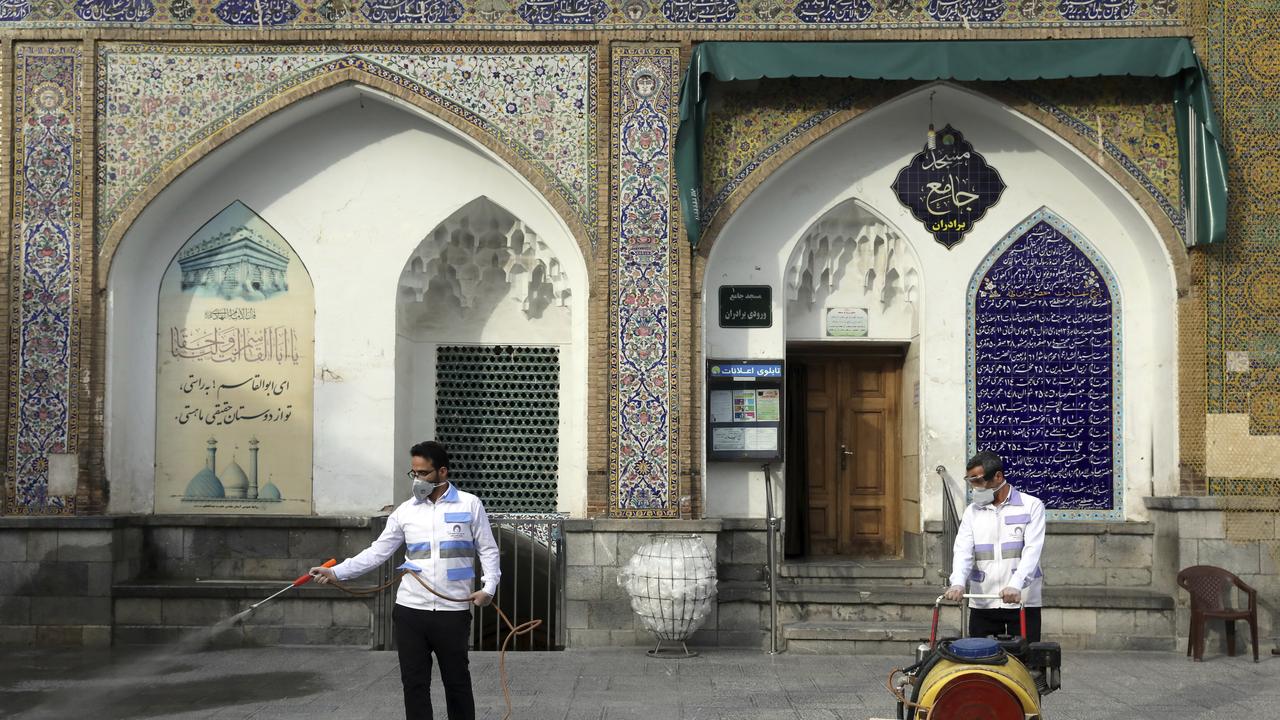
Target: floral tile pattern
[(1133, 118), (156, 102), (746, 127), (594, 14), (1243, 276), (644, 300), (46, 273)]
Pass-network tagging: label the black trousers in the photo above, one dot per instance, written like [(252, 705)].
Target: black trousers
[(419, 633), (1003, 621)]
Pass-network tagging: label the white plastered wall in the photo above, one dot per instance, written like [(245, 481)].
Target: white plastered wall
[(860, 161), (354, 180)]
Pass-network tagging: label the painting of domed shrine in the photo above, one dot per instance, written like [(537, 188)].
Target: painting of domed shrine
[(234, 483), (239, 262), (234, 362)]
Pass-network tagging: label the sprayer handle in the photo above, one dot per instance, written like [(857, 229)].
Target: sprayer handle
[(306, 578)]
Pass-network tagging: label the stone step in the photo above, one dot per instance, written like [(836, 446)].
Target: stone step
[(857, 638), (1082, 597), (852, 569), (185, 611)]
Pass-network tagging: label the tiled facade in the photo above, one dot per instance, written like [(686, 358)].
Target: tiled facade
[(99, 116)]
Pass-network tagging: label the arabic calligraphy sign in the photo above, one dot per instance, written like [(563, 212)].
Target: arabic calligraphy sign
[(948, 186), (746, 306), (1044, 358), (234, 367)]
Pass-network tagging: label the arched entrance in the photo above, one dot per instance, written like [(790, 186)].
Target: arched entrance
[(353, 179), (798, 209)]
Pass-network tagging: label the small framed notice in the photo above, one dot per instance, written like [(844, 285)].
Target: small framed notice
[(746, 306), (847, 322)]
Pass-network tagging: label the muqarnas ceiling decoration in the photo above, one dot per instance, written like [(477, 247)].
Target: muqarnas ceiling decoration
[(948, 186)]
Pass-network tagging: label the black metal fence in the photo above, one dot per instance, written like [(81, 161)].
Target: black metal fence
[(533, 576)]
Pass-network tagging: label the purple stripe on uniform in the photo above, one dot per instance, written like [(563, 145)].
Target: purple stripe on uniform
[(1015, 545), (1017, 519), (1015, 497), (984, 548)]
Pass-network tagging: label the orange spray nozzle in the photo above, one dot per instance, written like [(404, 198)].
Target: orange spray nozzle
[(306, 578)]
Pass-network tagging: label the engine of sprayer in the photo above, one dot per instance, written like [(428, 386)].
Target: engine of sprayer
[(999, 678)]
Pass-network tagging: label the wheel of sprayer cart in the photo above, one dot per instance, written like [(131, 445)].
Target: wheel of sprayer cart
[(977, 697)]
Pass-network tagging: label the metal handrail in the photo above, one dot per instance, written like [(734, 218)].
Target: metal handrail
[(771, 537), (533, 584), (950, 520)]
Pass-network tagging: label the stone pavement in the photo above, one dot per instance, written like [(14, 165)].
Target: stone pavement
[(605, 684)]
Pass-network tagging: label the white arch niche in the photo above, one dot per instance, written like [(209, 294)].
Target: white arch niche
[(860, 160), (354, 179), (482, 278)]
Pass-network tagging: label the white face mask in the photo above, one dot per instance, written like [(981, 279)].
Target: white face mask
[(986, 496)]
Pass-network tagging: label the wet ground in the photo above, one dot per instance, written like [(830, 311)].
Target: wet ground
[(607, 684)]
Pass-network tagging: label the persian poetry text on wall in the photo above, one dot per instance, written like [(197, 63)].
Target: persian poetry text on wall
[(234, 365), (1044, 368)]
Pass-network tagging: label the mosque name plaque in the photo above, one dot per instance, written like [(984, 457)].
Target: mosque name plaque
[(948, 186), (744, 410), (746, 306)]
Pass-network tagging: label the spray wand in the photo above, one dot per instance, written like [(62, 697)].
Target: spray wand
[(302, 580)]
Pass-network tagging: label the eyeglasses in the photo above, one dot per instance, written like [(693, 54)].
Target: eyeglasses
[(413, 474), (976, 480)]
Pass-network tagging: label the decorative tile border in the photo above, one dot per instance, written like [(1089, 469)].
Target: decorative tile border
[(591, 14), (1242, 297), (778, 118), (45, 279), (1167, 195), (1091, 254), (156, 102), (644, 292)]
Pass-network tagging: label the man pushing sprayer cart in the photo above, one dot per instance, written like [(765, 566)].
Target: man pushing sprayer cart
[(1001, 669)]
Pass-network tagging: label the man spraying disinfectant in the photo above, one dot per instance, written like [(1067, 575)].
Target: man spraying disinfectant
[(443, 530)]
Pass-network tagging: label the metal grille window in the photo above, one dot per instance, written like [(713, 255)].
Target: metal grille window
[(498, 412)]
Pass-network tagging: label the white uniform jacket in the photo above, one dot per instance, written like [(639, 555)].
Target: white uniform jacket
[(442, 540), (998, 546)]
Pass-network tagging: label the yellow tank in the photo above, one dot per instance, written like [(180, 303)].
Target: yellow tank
[(969, 691)]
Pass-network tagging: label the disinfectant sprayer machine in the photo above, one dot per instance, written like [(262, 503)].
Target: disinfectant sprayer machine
[(991, 678)]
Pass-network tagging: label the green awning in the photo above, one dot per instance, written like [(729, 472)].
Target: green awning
[(1204, 178)]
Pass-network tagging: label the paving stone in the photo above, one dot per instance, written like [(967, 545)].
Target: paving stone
[(60, 579), (579, 548), (582, 583), (15, 610), (13, 544), (42, 545), (84, 545), (76, 610), (1123, 551), (1239, 558), (138, 611)]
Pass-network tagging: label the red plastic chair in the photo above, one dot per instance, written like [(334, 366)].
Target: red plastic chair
[(1207, 585)]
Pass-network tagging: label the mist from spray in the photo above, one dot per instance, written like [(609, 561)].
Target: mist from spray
[(120, 680)]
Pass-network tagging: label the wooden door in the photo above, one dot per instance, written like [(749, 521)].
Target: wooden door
[(852, 435)]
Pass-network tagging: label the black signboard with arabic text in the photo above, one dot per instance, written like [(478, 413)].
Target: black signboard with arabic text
[(948, 186), (746, 306)]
